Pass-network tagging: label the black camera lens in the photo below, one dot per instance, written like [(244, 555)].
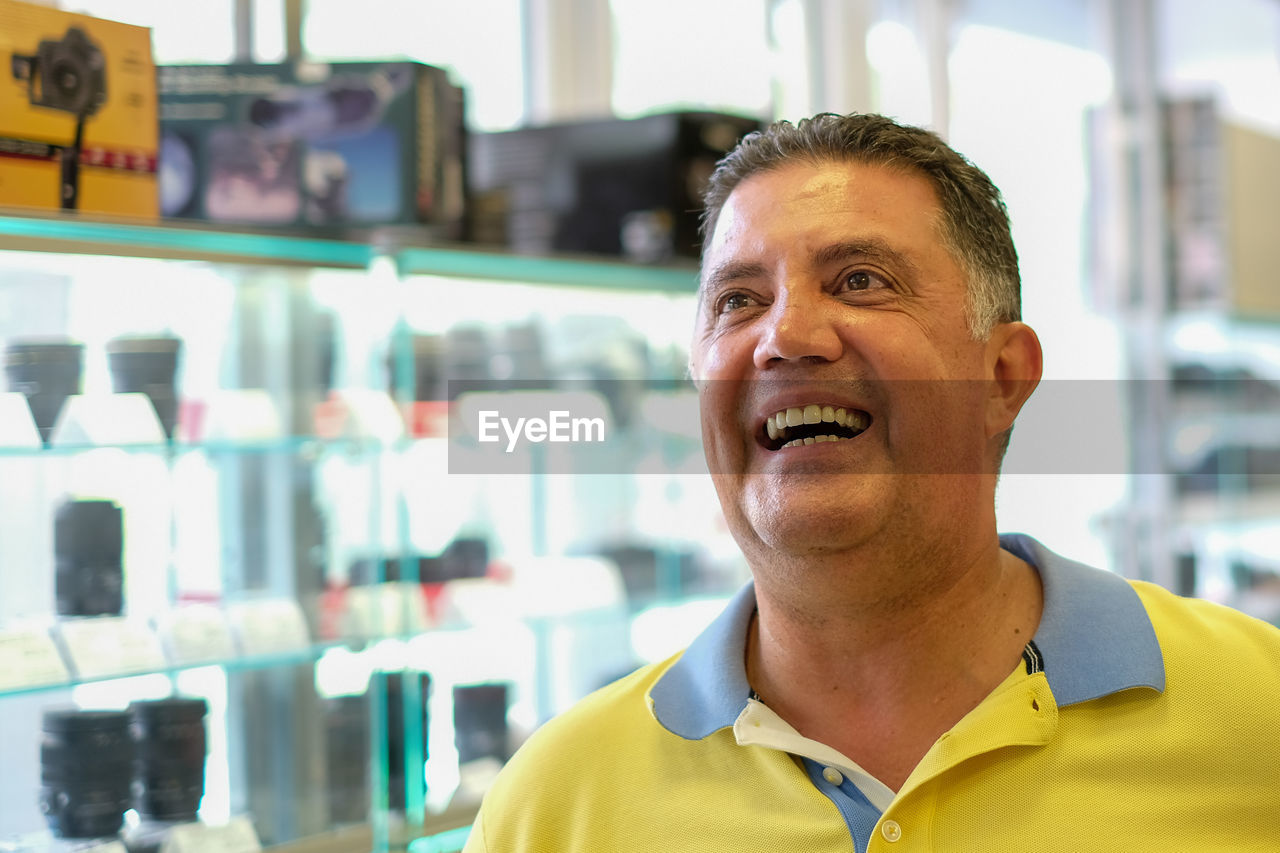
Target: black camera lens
[(346, 720), (88, 544), (169, 769), (427, 378), (89, 812), (46, 373), (396, 778), (480, 721), (148, 366), (85, 763), (467, 361)]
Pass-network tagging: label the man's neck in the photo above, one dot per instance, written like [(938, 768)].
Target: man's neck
[(883, 659)]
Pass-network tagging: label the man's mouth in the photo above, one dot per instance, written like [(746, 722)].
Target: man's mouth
[(812, 424)]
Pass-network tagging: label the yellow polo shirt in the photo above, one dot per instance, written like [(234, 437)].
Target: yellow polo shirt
[(1140, 721)]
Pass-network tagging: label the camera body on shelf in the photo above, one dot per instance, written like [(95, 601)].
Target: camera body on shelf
[(78, 115), (629, 187), (307, 144)]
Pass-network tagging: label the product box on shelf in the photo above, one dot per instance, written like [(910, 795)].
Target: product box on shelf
[(357, 143), (78, 115), (630, 187), (1223, 206)]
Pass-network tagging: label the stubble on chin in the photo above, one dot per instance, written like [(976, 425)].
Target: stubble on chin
[(804, 515)]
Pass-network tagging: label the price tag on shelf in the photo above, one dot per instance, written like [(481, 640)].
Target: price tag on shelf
[(269, 626), (104, 847), (105, 646), (29, 658), (196, 633), (388, 609), (237, 836)]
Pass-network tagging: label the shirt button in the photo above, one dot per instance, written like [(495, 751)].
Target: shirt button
[(890, 830), (833, 776)]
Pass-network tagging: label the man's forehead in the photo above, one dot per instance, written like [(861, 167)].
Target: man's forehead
[(779, 194), (873, 228)]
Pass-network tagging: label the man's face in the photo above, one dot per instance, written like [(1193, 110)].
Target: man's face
[(828, 293)]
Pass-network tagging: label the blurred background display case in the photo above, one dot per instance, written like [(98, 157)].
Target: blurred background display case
[(236, 482), (1203, 383)]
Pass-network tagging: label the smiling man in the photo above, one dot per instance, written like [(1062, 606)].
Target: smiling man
[(898, 676)]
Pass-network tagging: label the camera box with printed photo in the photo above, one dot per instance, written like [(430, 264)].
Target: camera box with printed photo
[(313, 144), (78, 115)]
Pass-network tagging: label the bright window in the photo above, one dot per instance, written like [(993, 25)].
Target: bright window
[(673, 54), (480, 41), (1028, 132), (1229, 49), (180, 32)]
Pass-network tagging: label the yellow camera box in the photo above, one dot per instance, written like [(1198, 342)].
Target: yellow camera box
[(78, 114)]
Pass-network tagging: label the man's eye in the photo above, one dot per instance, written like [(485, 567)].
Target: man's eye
[(861, 280), (734, 302)]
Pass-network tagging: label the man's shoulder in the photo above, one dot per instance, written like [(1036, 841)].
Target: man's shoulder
[(567, 773), (615, 712), (1199, 629)]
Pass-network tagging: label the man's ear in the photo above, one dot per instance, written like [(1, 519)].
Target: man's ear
[(1015, 363)]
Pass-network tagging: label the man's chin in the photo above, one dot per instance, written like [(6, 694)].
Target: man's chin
[(808, 514)]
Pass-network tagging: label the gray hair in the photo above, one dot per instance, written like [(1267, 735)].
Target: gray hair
[(974, 221)]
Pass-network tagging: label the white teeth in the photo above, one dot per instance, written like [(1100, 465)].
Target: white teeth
[(813, 413), (817, 439)]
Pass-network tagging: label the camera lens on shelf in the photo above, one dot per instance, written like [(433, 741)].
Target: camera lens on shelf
[(88, 543), (326, 341), (427, 380), (396, 778), (148, 366), (467, 355), (46, 373), (480, 721), (519, 357), (86, 760), (170, 747), (346, 720)]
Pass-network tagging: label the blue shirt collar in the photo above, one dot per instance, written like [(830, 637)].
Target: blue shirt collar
[(1095, 638)]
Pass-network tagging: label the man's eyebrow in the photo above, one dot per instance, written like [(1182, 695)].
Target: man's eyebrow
[(729, 272), (871, 248)]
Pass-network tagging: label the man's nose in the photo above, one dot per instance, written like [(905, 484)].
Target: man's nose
[(798, 326)]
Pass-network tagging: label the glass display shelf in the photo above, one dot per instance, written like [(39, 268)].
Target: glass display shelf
[(29, 231), (390, 652), (1225, 341), (1229, 506), (445, 841), (575, 271), (305, 446), (307, 655)]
